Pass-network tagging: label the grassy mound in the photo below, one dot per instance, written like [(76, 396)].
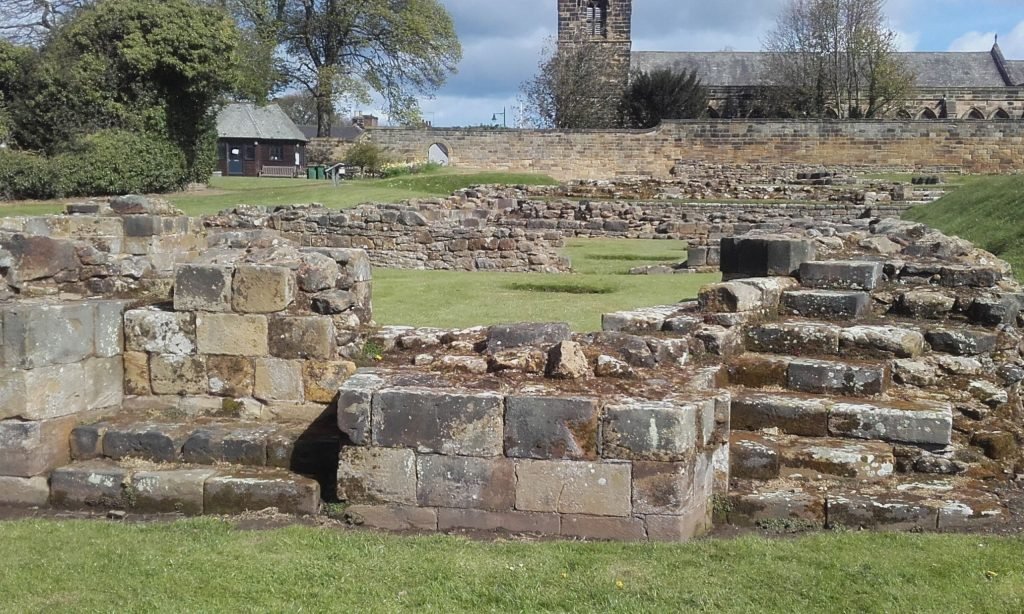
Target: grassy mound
[(985, 211)]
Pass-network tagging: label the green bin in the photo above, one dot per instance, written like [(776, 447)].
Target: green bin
[(321, 172), (310, 172)]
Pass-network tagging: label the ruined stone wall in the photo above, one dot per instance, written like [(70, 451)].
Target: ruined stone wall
[(971, 146)]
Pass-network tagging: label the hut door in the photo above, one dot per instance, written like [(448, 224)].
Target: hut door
[(235, 166)]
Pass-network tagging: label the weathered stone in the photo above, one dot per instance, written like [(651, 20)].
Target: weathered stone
[(168, 491), (136, 374), (729, 297), (650, 430), (39, 257), (104, 379), (551, 428), (202, 287), (882, 340), (354, 402), (841, 275), (33, 448), (691, 524), (252, 490), (160, 332), (109, 329), (753, 457), (512, 522), (278, 380), (239, 446), (961, 342), (89, 484), (670, 351), (526, 360), (754, 371), (41, 335), (464, 482), (824, 377), (794, 415), (953, 276), (155, 442), (332, 302), (441, 422), (828, 304), (764, 255), (992, 311), (613, 367), (859, 509), (511, 336), (603, 528), (836, 457), (988, 393), (464, 364), (392, 517), (377, 475), (794, 338), (302, 337), (230, 376), (912, 425), (638, 321), (749, 507), (24, 491), (719, 340), (998, 445), (573, 487), (915, 373), (566, 360), (631, 348), (663, 488), (232, 335), (926, 304), (177, 374), (317, 272), (323, 379), (262, 289)]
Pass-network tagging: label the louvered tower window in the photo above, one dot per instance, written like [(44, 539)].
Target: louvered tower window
[(596, 18)]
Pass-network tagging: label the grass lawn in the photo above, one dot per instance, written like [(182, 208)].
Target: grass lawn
[(206, 566), (986, 211), (452, 299)]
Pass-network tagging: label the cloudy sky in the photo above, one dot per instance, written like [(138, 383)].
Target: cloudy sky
[(502, 42)]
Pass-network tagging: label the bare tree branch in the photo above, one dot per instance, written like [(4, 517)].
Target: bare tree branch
[(29, 22)]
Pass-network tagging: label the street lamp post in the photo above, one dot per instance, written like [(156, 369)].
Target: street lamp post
[(494, 118)]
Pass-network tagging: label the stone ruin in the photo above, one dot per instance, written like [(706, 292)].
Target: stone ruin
[(857, 373)]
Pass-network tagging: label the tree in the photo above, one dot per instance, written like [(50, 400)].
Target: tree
[(367, 157), (662, 94), (31, 21), (335, 48), (572, 89), (836, 56), (301, 108)]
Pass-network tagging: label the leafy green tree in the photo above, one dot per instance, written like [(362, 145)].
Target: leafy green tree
[(12, 59), (571, 89), (662, 94), (368, 157)]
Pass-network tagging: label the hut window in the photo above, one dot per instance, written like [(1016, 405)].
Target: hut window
[(250, 152), (276, 153)]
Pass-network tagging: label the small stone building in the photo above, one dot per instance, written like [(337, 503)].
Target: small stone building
[(257, 141)]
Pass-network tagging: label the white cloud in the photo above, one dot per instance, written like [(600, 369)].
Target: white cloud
[(907, 41), (1011, 43)]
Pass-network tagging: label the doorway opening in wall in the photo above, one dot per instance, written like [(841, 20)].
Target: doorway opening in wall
[(438, 154)]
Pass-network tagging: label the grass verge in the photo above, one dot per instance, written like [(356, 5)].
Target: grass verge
[(205, 565), (985, 211)]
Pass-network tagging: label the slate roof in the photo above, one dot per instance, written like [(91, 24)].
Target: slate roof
[(747, 68), (244, 120), (349, 133)]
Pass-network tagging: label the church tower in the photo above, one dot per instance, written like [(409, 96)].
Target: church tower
[(603, 22)]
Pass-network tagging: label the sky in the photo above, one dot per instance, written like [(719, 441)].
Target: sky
[(502, 42)]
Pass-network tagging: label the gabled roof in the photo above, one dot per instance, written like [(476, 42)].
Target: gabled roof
[(749, 68), (244, 120), (350, 132)]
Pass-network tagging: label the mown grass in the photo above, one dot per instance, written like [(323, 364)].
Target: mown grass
[(599, 284), (985, 211), (206, 566)]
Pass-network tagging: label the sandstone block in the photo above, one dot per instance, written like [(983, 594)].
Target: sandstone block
[(238, 446), (109, 328), (317, 272), (202, 287), (104, 382), (393, 517), (824, 377), (438, 421), (377, 475), (252, 490), (511, 336), (354, 402), (323, 379), (24, 491), (747, 508), (168, 491), (566, 360), (89, 484), (962, 342), (729, 297), (691, 524), (828, 304), (926, 304), (136, 374), (262, 289), (915, 426), (573, 487), (87, 441), (464, 482), (603, 528), (888, 510), (32, 448), (230, 376), (551, 428), (43, 393), (512, 522), (39, 257), (882, 340), (837, 457), (841, 275), (663, 488), (232, 335), (155, 442), (753, 457), (178, 374), (792, 415), (40, 335), (763, 256), (794, 338), (159, 332), (302, 337), (526, 360), (650, 430), (278, 380)]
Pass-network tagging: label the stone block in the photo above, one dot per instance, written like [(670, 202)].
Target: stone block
[(43, 393), (160, 332), (729, 297), (794, 338), (551, 428), (442, 422), (859, 509), (882, 341), (764, 255), (262, 289), (926, 304), (231, 334), (355, 264), (752, 456), (104, 379), (302, 337), (87, 441), (574, 487), (506, 337), (377, 475), (663, 488), (952, 276), (793, 415), (512, 522), (168, 491), (566, 360), (755, 371), (993, 311), (323, 379), (824, 377), (24, 491), (238, 446), (33, 448), (39, 257), (841, 275), (689, 525), (961, 342), (603, 528), (109, 329), (89, 484), (355, 399), (392, 517), (202, 287), (827, 304), (178, 374), (906, 425), (41, 335), (155, 442), (464, 482), (317, 272), (230, 376), (650, 430), (136, 374), (278, 380), (697, 257), (244, 490), (748, 507), (837, 457)]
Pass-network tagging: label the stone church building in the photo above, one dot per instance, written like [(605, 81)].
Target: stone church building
[(966, 85)]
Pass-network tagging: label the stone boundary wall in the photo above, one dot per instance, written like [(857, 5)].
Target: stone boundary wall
[(965, 145)]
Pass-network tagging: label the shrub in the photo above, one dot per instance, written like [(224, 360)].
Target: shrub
[(367, 157), (119, 162), (26, 176)]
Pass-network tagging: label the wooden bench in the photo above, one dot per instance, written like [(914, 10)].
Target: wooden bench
[(278, 171)]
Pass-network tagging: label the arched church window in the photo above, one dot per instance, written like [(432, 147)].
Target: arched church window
[(596, 17), (975, 114), (1001, 114), (928, 114)]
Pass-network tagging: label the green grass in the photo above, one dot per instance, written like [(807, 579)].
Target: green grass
[(985, 211), (206, 566), (453, 299)]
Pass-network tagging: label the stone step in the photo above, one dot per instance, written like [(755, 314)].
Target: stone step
[(307, 449), (924, 421), (841, 274), (894, 504), (851, 378), (192, 490), (798, 337), (763, 456), (826, 304)]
